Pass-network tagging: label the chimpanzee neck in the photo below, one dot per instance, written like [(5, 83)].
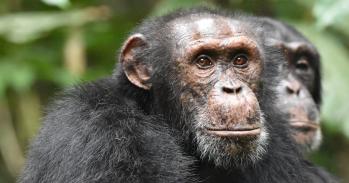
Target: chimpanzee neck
[(210, 173), (132, 92)]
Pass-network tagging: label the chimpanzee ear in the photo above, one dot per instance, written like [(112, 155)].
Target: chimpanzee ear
[(134, 67)]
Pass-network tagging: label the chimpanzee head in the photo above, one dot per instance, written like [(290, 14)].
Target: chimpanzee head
[(208, 75), (300, 87)]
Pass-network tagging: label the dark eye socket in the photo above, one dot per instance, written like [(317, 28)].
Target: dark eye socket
[(302, 64), (240, 60), (204, 62)]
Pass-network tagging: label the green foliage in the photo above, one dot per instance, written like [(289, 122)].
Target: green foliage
[(19, 78), (34, 60), (170, 5), (59, 3), (332, 13), (25, 27)]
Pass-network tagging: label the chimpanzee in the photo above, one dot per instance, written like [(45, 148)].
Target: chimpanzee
[(191, 100), (300, 88)]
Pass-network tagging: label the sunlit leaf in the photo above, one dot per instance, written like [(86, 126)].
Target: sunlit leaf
[(58, 3), (24, 27), (331, 12)]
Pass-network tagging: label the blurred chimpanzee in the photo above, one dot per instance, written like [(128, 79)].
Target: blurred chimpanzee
[(300, 88), (191, 100)]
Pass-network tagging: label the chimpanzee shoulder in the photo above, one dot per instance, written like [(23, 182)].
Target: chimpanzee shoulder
[(92, 133)]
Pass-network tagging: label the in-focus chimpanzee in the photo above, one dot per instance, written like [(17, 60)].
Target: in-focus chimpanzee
[(300, 88), (191, 101)]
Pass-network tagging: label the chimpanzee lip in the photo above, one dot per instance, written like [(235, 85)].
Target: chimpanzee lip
[(250, 132), (304, 125)]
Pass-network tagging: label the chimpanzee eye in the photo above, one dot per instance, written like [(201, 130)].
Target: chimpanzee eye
[(204, 62), (302, 64), (240, 60)]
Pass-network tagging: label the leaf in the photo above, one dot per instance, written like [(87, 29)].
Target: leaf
[(25, 27), (331, 12), (59, 3)]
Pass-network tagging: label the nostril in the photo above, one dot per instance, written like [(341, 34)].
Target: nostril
[(293, 87), (293, 90), (228, 90), (298, 91), (238, 89), (289, 90), (231, 90)]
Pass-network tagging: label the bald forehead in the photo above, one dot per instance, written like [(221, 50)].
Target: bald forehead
[(205, 26)]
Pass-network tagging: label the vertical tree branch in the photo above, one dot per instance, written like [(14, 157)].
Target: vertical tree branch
[(9, 146), (74, 52), (29, 115)]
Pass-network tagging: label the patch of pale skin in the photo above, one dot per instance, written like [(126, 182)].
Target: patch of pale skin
[(206, 25), (203, 27), (225, 152)]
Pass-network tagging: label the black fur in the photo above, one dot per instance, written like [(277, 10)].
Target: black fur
[(112, 131)]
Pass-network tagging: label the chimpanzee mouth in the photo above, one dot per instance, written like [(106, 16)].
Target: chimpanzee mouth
[(304, 126), (241, 132)]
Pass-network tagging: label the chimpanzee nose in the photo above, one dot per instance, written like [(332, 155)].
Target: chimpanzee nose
[(232, 89), (293, 87)]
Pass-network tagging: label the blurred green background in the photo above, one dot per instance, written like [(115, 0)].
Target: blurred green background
[(48, 45)]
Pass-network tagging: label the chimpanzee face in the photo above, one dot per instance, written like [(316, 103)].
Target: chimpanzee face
[(220, 68), (296, 92), (216, 68)]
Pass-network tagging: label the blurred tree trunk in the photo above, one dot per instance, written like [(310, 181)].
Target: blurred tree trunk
[(9, 147), (28, 106), (74, 52)]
